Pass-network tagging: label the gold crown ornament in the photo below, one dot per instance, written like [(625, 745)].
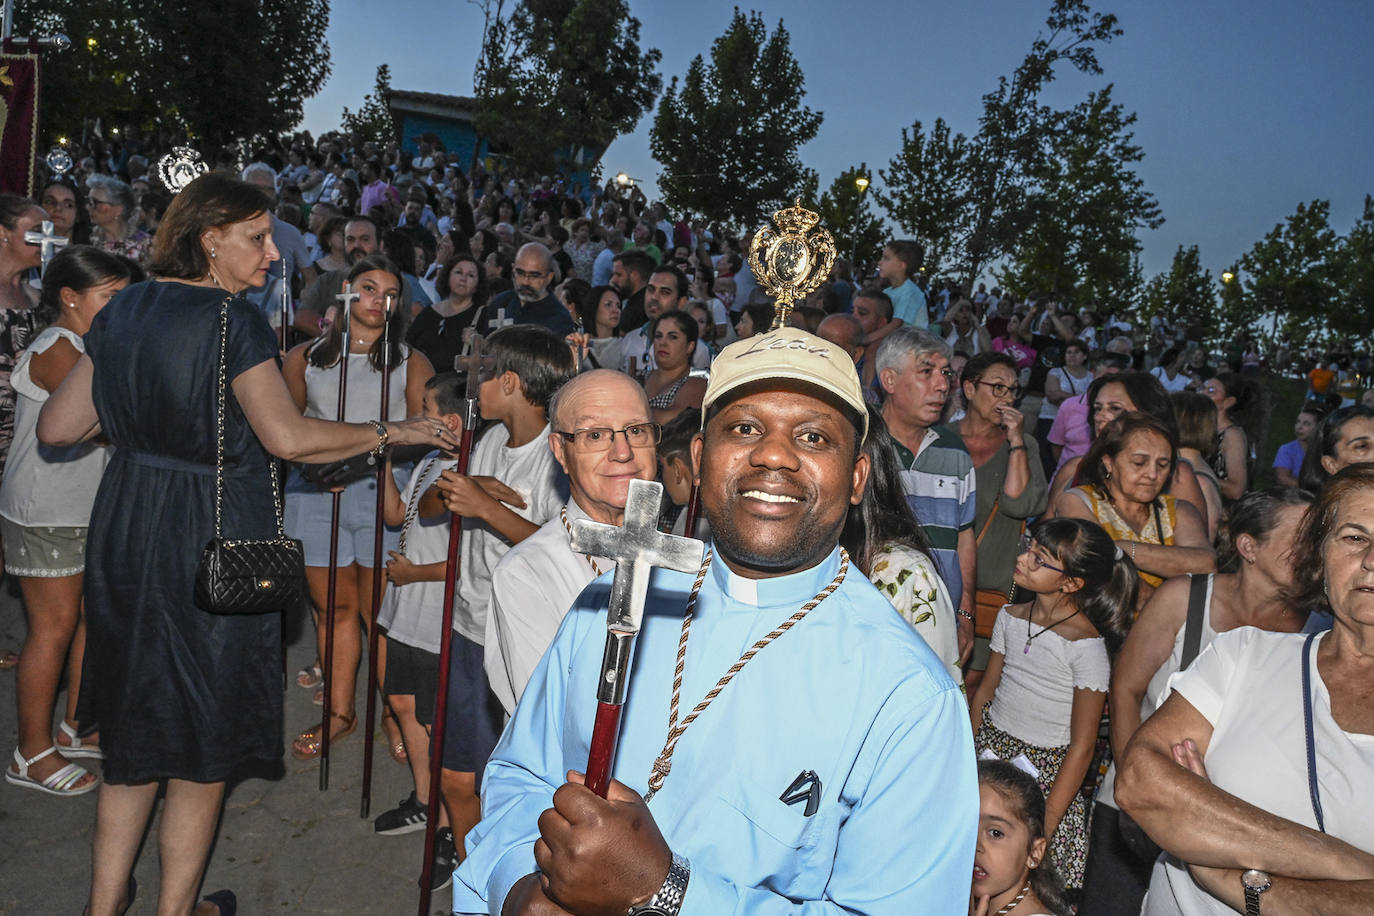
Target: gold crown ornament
[(792, 260)]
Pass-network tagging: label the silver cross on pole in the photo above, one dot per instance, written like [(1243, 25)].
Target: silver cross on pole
[(501, 320), (636, 546), (47, 241), (346, 298)]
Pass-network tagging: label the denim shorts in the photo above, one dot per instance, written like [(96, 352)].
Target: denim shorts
[(308, 513)]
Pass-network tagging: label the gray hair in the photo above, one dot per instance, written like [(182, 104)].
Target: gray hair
[(118, 192), (259, 168), (908, 341)]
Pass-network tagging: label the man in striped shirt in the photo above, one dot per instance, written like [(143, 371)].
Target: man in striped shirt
[(937, 473)]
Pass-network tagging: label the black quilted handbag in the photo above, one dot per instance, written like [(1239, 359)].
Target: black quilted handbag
[(243, 575)]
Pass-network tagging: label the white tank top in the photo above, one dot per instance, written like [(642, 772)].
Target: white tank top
[(364, 395)]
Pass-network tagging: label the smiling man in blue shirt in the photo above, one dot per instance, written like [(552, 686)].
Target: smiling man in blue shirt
[(834, 771)]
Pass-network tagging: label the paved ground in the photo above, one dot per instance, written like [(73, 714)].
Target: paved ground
[(283, 846)]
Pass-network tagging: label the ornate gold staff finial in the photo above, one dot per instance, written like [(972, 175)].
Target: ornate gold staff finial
[(789, 263)]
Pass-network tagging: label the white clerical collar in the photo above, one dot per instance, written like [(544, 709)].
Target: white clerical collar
[(794, 589)]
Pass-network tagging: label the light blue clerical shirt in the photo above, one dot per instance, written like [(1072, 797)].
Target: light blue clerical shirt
[(850, 694)]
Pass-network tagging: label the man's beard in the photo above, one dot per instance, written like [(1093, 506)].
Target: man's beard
[(355, 255), (528, 294)]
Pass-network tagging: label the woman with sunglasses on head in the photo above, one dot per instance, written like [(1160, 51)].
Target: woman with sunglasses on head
[(1049, 667), (1011, 484)]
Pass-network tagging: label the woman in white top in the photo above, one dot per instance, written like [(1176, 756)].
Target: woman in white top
[(1048, 670), (1064, 382), (1253, 591), (312, 373), (1254, 774), (45, 508), (963, 332)]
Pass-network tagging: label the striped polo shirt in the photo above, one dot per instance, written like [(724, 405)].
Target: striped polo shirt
[(940, 488)]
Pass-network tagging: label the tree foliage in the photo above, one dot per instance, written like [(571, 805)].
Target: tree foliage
[(728, 134), (1288, 280), (845, 212), (1354, 268), (557, 75), (373, 119), (972, 199), (222, 71), (1184, 293), (926, 192), (1085, 208)]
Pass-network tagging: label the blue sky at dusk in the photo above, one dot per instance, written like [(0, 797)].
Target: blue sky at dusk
[(1245, 109)]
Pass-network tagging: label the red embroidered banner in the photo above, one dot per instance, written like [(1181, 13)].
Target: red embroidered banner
[(18, 121)]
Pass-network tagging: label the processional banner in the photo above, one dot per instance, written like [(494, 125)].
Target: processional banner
[(18, 119)]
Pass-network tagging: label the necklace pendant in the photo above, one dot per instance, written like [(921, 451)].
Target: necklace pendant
[(1026, 650)]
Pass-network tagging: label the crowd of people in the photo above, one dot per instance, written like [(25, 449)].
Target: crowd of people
[(1039, 622)]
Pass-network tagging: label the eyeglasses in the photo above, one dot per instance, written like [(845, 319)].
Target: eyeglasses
[(601, 438), (1001, 390), (1029, 547), (528, 274)]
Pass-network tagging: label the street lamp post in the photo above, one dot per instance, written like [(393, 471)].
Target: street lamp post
[(862, 183)]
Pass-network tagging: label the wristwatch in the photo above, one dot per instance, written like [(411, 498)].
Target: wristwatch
[(668, 900), (1255, 883)]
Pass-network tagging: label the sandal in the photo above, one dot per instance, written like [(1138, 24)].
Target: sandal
[(78, 748), (309, 677), (8, 660), (63, 782), (396, 745), (307, 743), (225, 901)]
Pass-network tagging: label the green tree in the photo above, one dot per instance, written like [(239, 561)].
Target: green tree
[(1289, 276), (727, 136), (1354, 275), (1006, 155), (1086, 207), (1184, 293), (223, 71), (844, 211), (373, 118), (926, 191), (558, 75)]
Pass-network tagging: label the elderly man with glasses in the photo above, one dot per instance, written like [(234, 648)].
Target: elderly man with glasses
[(601, 434)]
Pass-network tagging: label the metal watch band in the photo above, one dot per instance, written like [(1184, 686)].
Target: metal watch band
[(1252, 901), (1254, 882), (668, 900)]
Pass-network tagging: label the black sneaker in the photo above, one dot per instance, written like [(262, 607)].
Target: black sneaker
[(407, 817), (445, 859)]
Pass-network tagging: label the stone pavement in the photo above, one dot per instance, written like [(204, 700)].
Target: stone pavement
[(283, 846)]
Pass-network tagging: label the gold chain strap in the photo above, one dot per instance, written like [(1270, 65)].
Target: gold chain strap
[(413, 508), (219, 439), (563, 514), (664, 764)]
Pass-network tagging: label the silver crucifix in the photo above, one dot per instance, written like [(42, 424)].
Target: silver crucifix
[(636, 546), (47, 241)]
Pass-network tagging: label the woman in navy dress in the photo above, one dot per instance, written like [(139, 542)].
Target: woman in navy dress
[(182, 695)]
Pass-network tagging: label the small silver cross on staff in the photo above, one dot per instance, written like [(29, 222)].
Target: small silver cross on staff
[(636, 546), (346, 297), (47, 241), (501, 320)]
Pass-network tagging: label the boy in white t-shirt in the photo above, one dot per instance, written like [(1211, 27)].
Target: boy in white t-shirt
[(522, 366)]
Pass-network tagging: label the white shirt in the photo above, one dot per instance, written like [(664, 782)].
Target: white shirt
[(531, 471), (1034, 700), (47, 485), (532, 588), (1178, 383), (636, 345), (1248, 684), (413, 613)]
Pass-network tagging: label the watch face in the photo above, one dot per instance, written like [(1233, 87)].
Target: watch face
[(1256, 880)]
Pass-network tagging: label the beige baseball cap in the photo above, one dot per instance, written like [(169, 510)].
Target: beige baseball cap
[(788, 354)]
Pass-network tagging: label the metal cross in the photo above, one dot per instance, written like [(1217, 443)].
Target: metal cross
[(636, 546), (501, 320), (472, 365), (347, 297), (47, 240)]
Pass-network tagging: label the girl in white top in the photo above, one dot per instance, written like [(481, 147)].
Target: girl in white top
[(1047, 676), (45, 508), (312, 375), (1067, 381), (1010, 871)]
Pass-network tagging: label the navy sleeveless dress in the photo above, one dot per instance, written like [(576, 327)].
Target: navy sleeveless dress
[(176, 691)]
